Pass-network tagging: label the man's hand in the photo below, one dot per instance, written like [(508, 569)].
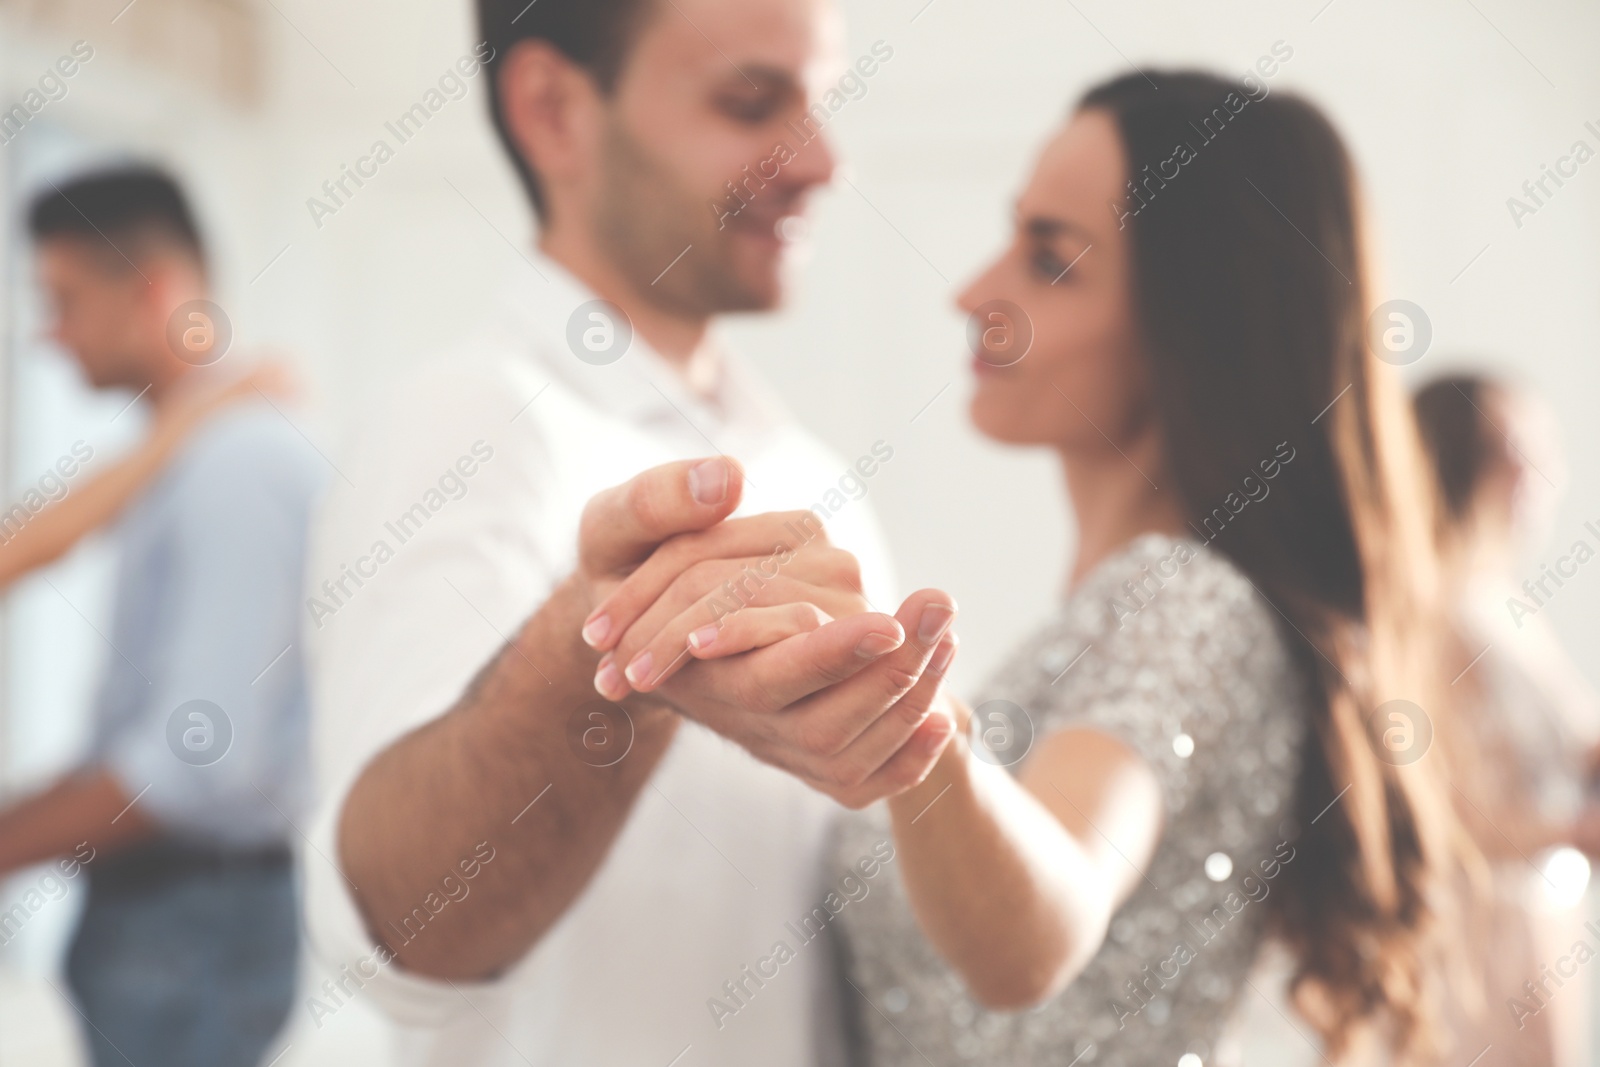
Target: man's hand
[(743, 584), (677, 507), (842, 712), (89, 808), (782, 608), (623, 525)]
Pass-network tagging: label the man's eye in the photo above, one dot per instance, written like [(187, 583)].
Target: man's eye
[(752, 110)]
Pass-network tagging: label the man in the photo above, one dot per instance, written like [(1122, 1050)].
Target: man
[(185, 952), (516, 870)]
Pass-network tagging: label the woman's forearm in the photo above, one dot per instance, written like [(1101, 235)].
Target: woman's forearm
[(1004, 892), (55, 529)]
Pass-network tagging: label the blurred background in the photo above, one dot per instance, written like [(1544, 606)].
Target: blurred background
[(1450, 108)]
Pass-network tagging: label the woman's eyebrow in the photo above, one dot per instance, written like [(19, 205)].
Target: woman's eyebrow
[(1045, 227)]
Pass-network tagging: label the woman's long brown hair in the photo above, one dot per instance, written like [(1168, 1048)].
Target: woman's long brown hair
[(1250, 295)]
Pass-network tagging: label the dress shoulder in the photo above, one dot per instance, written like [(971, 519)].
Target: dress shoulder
[(1169, 647)]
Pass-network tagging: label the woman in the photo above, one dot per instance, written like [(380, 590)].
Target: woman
[(1185, 744), (51, 533), (1529, 722)]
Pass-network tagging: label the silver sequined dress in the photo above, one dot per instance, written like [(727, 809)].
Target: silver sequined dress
[(1168, 647)]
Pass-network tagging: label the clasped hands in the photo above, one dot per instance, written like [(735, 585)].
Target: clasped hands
[(758, 629)]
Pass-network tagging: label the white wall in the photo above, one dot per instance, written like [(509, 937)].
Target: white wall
[(1449, 109), (1446, 117)]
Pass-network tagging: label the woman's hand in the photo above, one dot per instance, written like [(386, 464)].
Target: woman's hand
[(845, 707), (743, 584), (272, 377), (1584, 834), (871, 728), (97, 501)]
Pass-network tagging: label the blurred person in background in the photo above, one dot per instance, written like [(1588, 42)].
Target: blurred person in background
[(1530, 721), (185, 951), (52, 517), (1180, 762), (528, 872)]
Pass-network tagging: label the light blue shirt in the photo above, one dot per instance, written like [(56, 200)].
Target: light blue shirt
[(207, 610)]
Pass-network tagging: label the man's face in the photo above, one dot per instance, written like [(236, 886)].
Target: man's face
[(715, 92), (99, 311)]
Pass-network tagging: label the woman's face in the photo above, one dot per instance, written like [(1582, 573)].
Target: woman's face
[(1082, 384), (1522, 490)]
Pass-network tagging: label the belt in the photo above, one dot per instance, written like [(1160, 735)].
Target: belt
[(151, 864)]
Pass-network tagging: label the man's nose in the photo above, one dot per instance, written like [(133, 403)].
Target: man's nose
[(815, 162)]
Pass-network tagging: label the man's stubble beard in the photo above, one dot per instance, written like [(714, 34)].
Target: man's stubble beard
[(645, 220), (115, 368)]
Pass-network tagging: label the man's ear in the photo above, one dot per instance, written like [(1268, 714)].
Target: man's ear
[(165, 280), (158, 289), (552, 110)]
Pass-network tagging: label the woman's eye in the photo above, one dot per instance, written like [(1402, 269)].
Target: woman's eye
[(1048, 266)]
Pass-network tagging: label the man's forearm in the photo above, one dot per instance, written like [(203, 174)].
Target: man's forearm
[(89, 807), (497, 768)]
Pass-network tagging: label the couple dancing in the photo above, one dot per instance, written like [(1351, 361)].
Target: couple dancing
[(579, 807)]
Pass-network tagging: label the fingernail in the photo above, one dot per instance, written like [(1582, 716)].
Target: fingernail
[(941, 659), (934, 622), (874, 645), (934, 734), (708, 482), (701, 639), (608, 680), (638, 671), (595, 630)]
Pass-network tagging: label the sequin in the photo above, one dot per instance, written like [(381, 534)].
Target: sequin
[(1205, 660)]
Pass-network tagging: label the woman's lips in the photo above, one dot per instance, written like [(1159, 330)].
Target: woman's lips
[(986, 364)]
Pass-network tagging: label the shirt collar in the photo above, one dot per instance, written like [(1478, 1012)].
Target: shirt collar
[(547, 304)]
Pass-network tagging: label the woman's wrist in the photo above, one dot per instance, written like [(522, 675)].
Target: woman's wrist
[(170, 427), (951, 773)]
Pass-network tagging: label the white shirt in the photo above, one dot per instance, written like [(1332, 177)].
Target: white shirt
[(453, 523)]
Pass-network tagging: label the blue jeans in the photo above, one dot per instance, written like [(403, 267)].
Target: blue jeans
[(188, 969)]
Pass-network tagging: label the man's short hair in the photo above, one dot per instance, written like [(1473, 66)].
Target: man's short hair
[(595, 34), (130, 208)]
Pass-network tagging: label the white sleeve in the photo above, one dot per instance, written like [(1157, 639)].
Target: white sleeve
[(427, 557)]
